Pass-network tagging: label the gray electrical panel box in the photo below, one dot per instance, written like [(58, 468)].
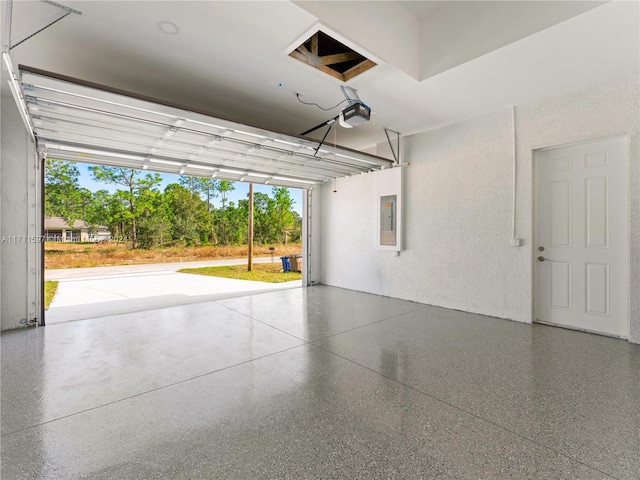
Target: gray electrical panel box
[(388, 223)]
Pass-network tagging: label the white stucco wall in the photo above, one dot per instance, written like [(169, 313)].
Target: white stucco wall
[(20, 268), (311, 249), (612, 108), (458, 204), (316, 240)]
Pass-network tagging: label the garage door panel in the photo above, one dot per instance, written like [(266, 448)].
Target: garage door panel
[(85, 122)]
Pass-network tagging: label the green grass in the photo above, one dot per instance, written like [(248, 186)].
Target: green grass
[(50, 288), (262, 272)]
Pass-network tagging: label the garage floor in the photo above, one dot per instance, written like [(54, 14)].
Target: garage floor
[(317, 383)]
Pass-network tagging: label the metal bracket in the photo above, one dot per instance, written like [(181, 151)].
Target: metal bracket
[(395, 151), (7, 44)]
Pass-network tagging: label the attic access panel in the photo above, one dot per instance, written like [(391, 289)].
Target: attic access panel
[(85, 122), (331, 57)]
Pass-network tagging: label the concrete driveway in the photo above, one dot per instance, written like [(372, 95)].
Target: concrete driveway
[(97, 292)]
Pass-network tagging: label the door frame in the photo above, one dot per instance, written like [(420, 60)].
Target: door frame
[(534, 219)]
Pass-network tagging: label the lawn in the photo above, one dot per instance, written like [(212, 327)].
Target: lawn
[(50, 288), (77, 255), (262, 272)]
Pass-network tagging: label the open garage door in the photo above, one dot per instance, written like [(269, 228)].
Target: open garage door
[(84, 122)]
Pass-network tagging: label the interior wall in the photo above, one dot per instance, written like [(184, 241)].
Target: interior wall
[(458, 207), (316, 236), (612, 108), (19, 249), (457, 224)]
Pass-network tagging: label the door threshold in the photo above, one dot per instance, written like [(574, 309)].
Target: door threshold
[(578, 329)]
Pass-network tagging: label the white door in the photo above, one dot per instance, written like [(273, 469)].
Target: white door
[(581, 237)]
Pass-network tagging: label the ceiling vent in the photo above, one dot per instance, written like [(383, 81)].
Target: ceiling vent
[(332, 57)]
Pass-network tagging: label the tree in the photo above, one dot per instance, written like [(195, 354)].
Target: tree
[(262, 212), (85, 199), (207, 188), (63, 197), (98, 210), (136, 187), (237, 218), (182, 213), (190, 183), (283, 219), (224, 187), (296, 230), (154, 223), (189, 216)]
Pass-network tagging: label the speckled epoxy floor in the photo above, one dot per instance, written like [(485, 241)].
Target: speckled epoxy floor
[(317, 383)]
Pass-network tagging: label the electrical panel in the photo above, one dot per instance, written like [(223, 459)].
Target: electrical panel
[(388, 220)]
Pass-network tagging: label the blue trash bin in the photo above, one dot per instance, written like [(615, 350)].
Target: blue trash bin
[(286, 264)]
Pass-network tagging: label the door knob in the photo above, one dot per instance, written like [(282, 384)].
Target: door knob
[(541, 258), (541, 249)]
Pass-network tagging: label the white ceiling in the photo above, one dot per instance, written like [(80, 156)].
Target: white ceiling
[(452, 33), (438, 63)]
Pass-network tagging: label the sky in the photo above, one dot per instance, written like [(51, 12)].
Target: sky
[(241, 191)]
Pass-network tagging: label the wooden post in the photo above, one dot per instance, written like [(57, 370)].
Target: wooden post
[(250, 259)]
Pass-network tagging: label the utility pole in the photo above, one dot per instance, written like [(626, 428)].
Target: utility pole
[(250, 260)]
